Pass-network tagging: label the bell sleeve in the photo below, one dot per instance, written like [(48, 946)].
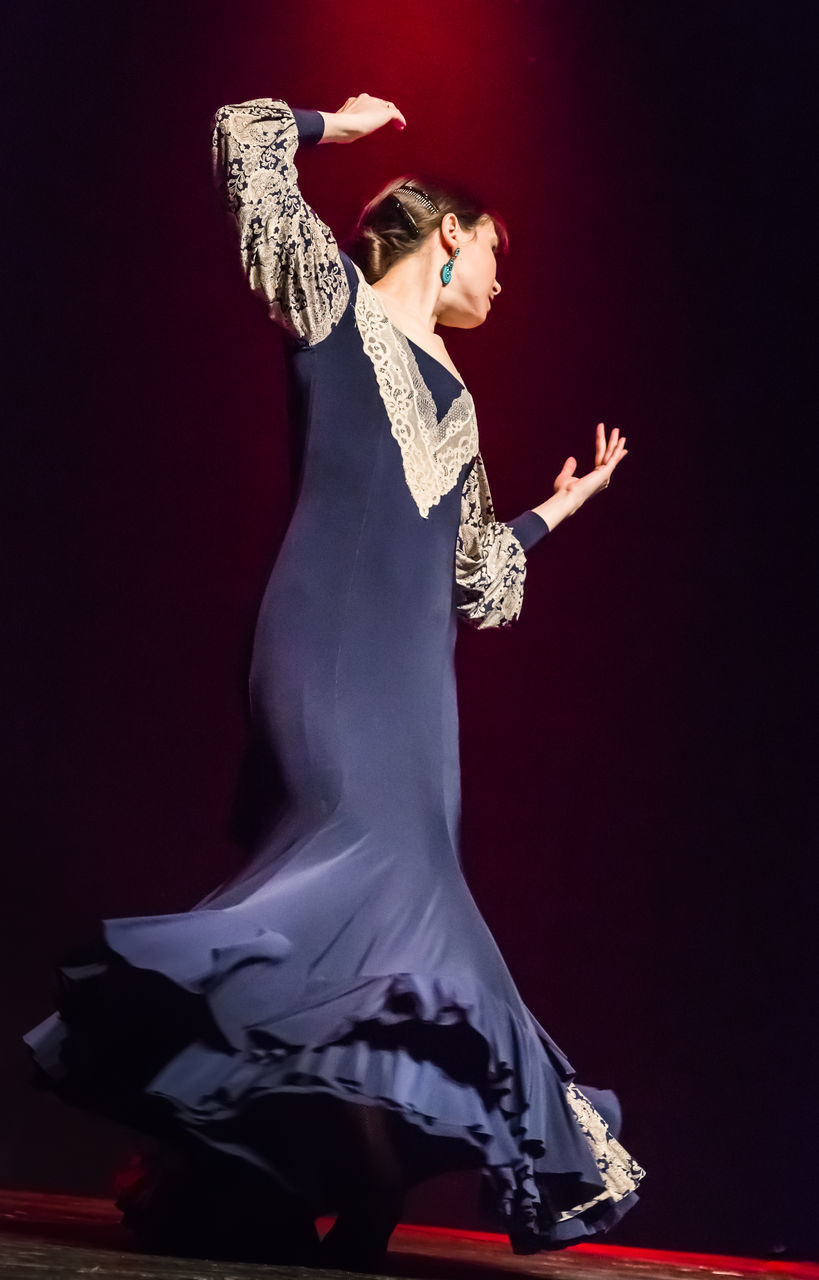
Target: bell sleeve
[(490, 557), (289, 256)]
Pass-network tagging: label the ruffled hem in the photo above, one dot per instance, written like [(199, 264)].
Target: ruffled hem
[(197, 1027)]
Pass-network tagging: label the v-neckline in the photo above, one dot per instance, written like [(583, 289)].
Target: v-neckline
[(435, 359), (433, 448), (413, 343)]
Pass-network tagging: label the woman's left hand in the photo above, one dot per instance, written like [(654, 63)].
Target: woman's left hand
[(607, 454), (571, 490), (359, 116)]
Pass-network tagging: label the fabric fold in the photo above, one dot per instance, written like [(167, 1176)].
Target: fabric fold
[(253, 1032)]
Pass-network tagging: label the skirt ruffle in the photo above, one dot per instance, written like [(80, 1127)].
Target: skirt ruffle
[(204, 1030)]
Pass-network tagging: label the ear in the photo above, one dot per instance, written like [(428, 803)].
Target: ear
[(450, 232)]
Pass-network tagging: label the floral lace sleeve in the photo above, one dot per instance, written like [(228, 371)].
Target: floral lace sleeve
[(290, 257), (490, 563)]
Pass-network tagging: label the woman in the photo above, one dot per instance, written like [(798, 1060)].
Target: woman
[(335, 1022)]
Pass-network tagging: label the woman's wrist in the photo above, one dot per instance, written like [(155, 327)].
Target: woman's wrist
[(559, 507), (336, 129)]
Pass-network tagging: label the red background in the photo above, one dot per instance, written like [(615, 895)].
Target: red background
[(636, 754)]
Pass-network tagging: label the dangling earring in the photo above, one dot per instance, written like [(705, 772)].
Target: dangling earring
[(446, 269)]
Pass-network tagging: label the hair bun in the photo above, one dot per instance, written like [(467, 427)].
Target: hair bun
[(404, 213)]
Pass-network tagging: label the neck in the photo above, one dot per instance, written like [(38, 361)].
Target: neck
[(412, 288)]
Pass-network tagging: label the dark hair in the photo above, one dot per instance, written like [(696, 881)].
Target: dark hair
[(400, 217)]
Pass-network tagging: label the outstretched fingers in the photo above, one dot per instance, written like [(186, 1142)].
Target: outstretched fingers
[(608, 453), (599, 444), (396, 116), (605, 450), (619, 451), (611, 445), (615, 455)]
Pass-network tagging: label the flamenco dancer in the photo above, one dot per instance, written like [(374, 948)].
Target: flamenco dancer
[(335, 1023)]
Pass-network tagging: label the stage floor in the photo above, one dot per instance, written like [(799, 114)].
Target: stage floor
[(44, 1235)]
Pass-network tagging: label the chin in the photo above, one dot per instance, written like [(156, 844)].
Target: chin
[(461, 319)]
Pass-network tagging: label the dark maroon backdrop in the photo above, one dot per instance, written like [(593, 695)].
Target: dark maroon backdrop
[(637, 752)]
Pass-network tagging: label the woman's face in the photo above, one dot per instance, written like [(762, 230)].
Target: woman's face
[(465, 301)]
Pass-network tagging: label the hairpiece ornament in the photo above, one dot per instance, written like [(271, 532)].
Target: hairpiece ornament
[(419, 195), (412, 225)]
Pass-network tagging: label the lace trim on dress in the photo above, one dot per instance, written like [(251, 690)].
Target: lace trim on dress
[(490, 563), (289, 255), (432, 452), (619, 1171)]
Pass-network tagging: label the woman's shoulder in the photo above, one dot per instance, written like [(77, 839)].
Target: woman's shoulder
[(352, 272)]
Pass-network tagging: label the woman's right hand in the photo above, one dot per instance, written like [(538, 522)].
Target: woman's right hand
[(358, 117), (571, 490)]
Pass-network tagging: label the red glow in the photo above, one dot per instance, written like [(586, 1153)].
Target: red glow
[(713, 1262)]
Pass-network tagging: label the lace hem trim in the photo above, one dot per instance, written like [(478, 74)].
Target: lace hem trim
[(619, 1171)]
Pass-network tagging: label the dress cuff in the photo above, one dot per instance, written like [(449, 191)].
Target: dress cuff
[(310, 125), (528, 528)]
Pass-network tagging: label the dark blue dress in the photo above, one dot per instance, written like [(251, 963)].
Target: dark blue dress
[(347, 959)]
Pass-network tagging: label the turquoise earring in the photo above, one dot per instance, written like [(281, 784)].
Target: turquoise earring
[(446, 269)]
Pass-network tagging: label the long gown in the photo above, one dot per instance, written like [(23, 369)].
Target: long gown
[(347, 960)]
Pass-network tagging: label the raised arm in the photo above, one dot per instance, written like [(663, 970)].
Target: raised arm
[(289, 256)]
